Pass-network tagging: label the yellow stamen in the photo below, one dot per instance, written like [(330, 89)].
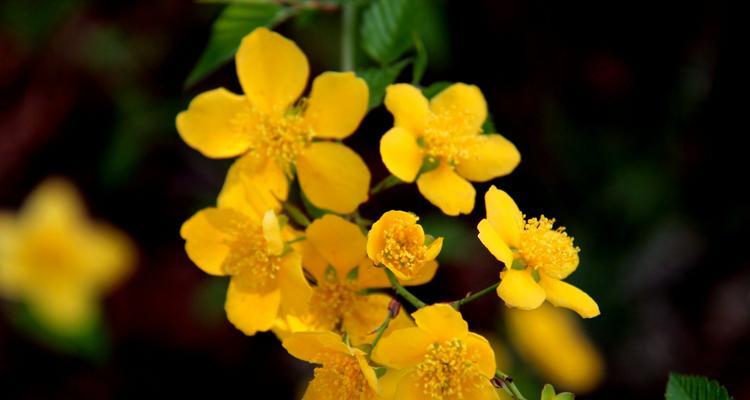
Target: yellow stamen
[(404, 248), (250, 260), (550, 250), (341, 378), (448, 370), (331, 303), (449, 136)]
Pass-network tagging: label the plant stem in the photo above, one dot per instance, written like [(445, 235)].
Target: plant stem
[(295, 214), (468, 299), (510, 384), (297, 239), (387, 182), (381, 330), (348, 24), (412, 299)]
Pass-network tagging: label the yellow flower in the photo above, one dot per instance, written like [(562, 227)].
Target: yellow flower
[(447, 130), (550, 340), (334, 254), (58, 261), (266, 274), (536, 256), (439, 359), (278, 132), (344, 373), (398, 242)]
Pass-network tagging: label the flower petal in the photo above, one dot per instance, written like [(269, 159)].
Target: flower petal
[(485, 391), (479, 348), (504, 215), (433, 249), (65, 309), (339, 241), (447, 190), (410, 388), (209, 125), (253, 186), (312, 259), (390, 381), (490, 156), (403, 348), (401, 154), (337, 104), (367, 371), (466, 100), (54, 201), (295, 291), (409, 107), (272, 70), (314, 347), (333, 177), (518, 289), (365, 317), (370, 276), (272, 233), (563, 294), (441, 321), (492, 241), (206, 234), (252, 312)]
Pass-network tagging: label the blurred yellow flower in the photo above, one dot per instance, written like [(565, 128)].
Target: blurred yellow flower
[(278, 132), (398, 242), (436, 360), (536, 256), (57, 260), (553, 343), (266, 273), (344, 373), (334, 255), (447, 131)]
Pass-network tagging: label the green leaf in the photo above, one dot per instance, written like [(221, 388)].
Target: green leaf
[(236, 21), (489, 125), (387, 27), (379, 78), (420, 62), (686, 387), (435, 88)]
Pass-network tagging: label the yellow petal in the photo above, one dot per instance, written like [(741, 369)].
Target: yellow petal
[(333, 177), (338, 102), (10, 285), (366, 317), (485, 391), (110, 256), (339, 241), (206, 235), (251, 312), (492, 241), (367, 371), (66, 310), (390, 381), (55, 201), (403, 348), (518, 289), (563, 294), (410, 388), (479, 349), (490, 156), (210, 124), (376, 235), (462, 99), (295, 291), (433, 249), (504, 215), (272, 70), (401, 154), (441, 321), (447, 190), (409, 107), (313, 261), (314, 347), (253, 186), (370, 276), (272, 233)]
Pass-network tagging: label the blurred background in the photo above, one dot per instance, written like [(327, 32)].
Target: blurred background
[(618, 110)]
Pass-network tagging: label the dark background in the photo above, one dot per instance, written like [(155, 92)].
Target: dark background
[(619, 111)]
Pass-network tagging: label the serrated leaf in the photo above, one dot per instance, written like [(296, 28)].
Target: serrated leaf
[(687, 387), (236, 21), (387, 27), (379, 78), (435, 88)]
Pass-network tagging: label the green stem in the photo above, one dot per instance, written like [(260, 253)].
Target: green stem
[(348, 24), (510, 384), (403, 292), (387, 182), (297, 239), (468, 299), (380, 331), (296, 214)]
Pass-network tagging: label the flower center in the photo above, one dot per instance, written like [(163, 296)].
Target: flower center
[(550, 250), (331, 303), (448, 370), (448, 136), (249, 261), (340, 377), (404, 248), (280, 137)]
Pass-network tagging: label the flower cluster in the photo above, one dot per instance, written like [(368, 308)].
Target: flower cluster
[(322, 286)]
